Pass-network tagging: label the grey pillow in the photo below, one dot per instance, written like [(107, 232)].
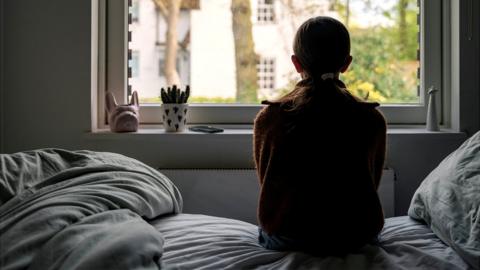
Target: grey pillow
[(448, 200)]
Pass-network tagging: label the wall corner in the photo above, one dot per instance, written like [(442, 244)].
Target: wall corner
[(465, 66), (2, 67)]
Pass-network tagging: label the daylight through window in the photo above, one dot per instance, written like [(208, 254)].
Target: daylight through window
[(227, 53)]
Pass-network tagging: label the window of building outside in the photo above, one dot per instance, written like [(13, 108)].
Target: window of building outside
[(265, 11), (134, 64), (396, 49), (135, 10), (266, 76)]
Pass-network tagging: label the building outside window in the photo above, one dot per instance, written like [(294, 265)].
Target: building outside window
[(135, 10), (266, 76), (134, 64), (265, 11)]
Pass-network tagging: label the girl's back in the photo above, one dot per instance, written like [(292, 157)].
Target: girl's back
[(319, 172)]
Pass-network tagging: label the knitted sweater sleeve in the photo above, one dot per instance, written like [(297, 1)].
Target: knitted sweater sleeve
[(260, 147), (378, 146)]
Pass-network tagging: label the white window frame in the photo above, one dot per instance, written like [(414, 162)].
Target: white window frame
[(112, 71)]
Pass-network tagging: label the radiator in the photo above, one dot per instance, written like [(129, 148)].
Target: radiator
[(233, 193)]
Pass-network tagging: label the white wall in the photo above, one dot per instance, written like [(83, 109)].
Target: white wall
[(46, 103)]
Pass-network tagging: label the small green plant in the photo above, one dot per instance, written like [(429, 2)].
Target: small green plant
[(174, 95)]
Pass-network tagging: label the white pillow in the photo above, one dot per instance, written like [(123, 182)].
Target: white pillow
[(448, 200)]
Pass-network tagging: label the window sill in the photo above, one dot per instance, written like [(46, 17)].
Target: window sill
[(233, 147), (246, 130), (158, 130), (400, 129)]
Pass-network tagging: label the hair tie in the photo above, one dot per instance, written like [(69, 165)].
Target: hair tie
[(326, 76)]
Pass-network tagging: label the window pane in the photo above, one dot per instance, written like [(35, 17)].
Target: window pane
[(134, 10), (134, 64), (238, 51)]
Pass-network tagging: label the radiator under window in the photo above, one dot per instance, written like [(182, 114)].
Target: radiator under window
[(233, 193)]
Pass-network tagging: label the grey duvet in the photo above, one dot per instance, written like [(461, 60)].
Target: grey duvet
[(81, 210)]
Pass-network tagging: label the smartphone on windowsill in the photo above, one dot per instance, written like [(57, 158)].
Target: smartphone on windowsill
[(205, 129)]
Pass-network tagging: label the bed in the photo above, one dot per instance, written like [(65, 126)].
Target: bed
[(205, 242), (91, 210)]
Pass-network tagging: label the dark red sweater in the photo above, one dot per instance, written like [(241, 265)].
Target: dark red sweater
[(319, 172)]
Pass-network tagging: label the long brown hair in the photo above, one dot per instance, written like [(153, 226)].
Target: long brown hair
[(321, 45)]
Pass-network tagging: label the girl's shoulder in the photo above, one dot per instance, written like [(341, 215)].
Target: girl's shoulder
[(365, 111), (271, 109), (267, 120), (372, 114), (266, 112)]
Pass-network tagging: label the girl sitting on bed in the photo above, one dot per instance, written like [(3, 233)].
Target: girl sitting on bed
[(319, 153)]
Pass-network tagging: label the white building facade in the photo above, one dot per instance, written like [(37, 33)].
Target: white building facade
[(206, 59)]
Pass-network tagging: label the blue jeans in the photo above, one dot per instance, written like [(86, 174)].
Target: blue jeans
[(275, 242), (282, 243)]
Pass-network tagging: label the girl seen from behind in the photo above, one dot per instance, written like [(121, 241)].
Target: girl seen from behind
[(319, 153)]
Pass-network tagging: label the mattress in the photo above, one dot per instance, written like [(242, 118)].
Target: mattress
[(207, 242)]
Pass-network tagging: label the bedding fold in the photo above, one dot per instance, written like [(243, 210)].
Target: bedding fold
[(53, 194), (117, 239)]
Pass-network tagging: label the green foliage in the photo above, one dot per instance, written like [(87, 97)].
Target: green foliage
[(384, 66), (384, 57), (377, 69), (144, 100), (175, 95), (247, 91), (193, 99), (213, 100)]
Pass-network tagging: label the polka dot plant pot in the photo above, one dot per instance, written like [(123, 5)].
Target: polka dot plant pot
[(174, 117)]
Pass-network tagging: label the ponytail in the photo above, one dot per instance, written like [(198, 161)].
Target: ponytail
[(308, 90)]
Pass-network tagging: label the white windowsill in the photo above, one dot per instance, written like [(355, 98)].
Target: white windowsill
[(161, 131), (247, 130), (419, 130), (233, 147)]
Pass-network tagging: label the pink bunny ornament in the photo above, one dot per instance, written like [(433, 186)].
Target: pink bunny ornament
[(124, 117)]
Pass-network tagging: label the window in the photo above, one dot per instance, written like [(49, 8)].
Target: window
[(266, 77), (396, 45), (265, 11)]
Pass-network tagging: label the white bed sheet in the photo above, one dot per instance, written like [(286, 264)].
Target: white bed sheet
[(206, 242)]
